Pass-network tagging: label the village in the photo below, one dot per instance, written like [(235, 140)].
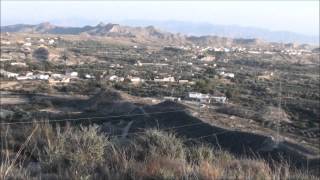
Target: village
[(236, 80), (172, 67), (197, 90)]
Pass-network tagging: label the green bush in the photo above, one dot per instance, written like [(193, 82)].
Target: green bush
[(161, 143)]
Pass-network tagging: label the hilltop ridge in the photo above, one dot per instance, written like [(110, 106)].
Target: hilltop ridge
[(138, 34)]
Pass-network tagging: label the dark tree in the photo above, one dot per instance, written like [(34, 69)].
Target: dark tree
[(41, 54)]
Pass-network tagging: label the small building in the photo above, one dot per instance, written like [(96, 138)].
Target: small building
[(28, 44), (207, 98), (21, 78), (220, 99), (42, 76), (21, 64), (170, 98), (116, 78), (8, 74), (88, 76), (72, 74), (57, 76), (226, 75), (136, 80), (254, 52), (54, 81), (138, 63), (167, 79), (196, 95), (230, 75), (29, 74), (183, 81), (51, 42), (5, 42), (208, 58)]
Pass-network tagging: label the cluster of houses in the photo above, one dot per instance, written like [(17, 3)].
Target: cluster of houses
[(150, 64), (52, 78), (237, 49), (295, 52), (28, 42)]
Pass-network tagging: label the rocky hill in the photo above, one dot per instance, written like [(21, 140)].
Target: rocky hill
[(139, 34)]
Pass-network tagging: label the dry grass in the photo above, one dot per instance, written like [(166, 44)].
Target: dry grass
[(86, 153)]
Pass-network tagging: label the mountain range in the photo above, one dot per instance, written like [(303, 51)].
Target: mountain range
[(141, 34), (230, 31)]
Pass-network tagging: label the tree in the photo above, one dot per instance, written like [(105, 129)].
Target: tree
[(41, 54)]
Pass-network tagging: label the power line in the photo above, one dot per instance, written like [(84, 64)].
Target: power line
[(170, 128), (89, 118), (214, 134)]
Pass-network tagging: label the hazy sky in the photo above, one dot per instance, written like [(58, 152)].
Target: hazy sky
[(295, 16)]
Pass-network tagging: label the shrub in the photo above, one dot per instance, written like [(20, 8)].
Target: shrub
[(199, 154), (248, 169), (82, 150), (84, 153), (41, 54), (162, 168), (207, 171), (162, 143)]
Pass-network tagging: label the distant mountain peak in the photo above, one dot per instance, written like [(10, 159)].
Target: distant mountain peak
[(101, 24), (46, 25)]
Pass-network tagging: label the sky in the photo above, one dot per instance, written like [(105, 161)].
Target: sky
[(295, 16)]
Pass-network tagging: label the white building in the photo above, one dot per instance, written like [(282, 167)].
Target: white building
[(57, 76), (20, 78), (5, 42), (8, 74), (166, 79), (253, 52), (29, 74), (116, 78), (196, 95), (72, 74), (229, 75), (268, 52), (183, 81), (88, 76), (42, 76), (220, 99), (51, 42), (18, 64), (138, 63), (58, 80), (169, 98), (27, 44), (208, 58), (207, 97), (136, 80)]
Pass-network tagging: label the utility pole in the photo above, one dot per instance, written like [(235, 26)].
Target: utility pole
[(280, 113)]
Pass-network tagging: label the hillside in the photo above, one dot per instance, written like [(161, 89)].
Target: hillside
[(138, 34), (230, 31)]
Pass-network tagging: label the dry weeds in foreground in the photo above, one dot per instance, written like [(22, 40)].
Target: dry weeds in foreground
[(84, 153)]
